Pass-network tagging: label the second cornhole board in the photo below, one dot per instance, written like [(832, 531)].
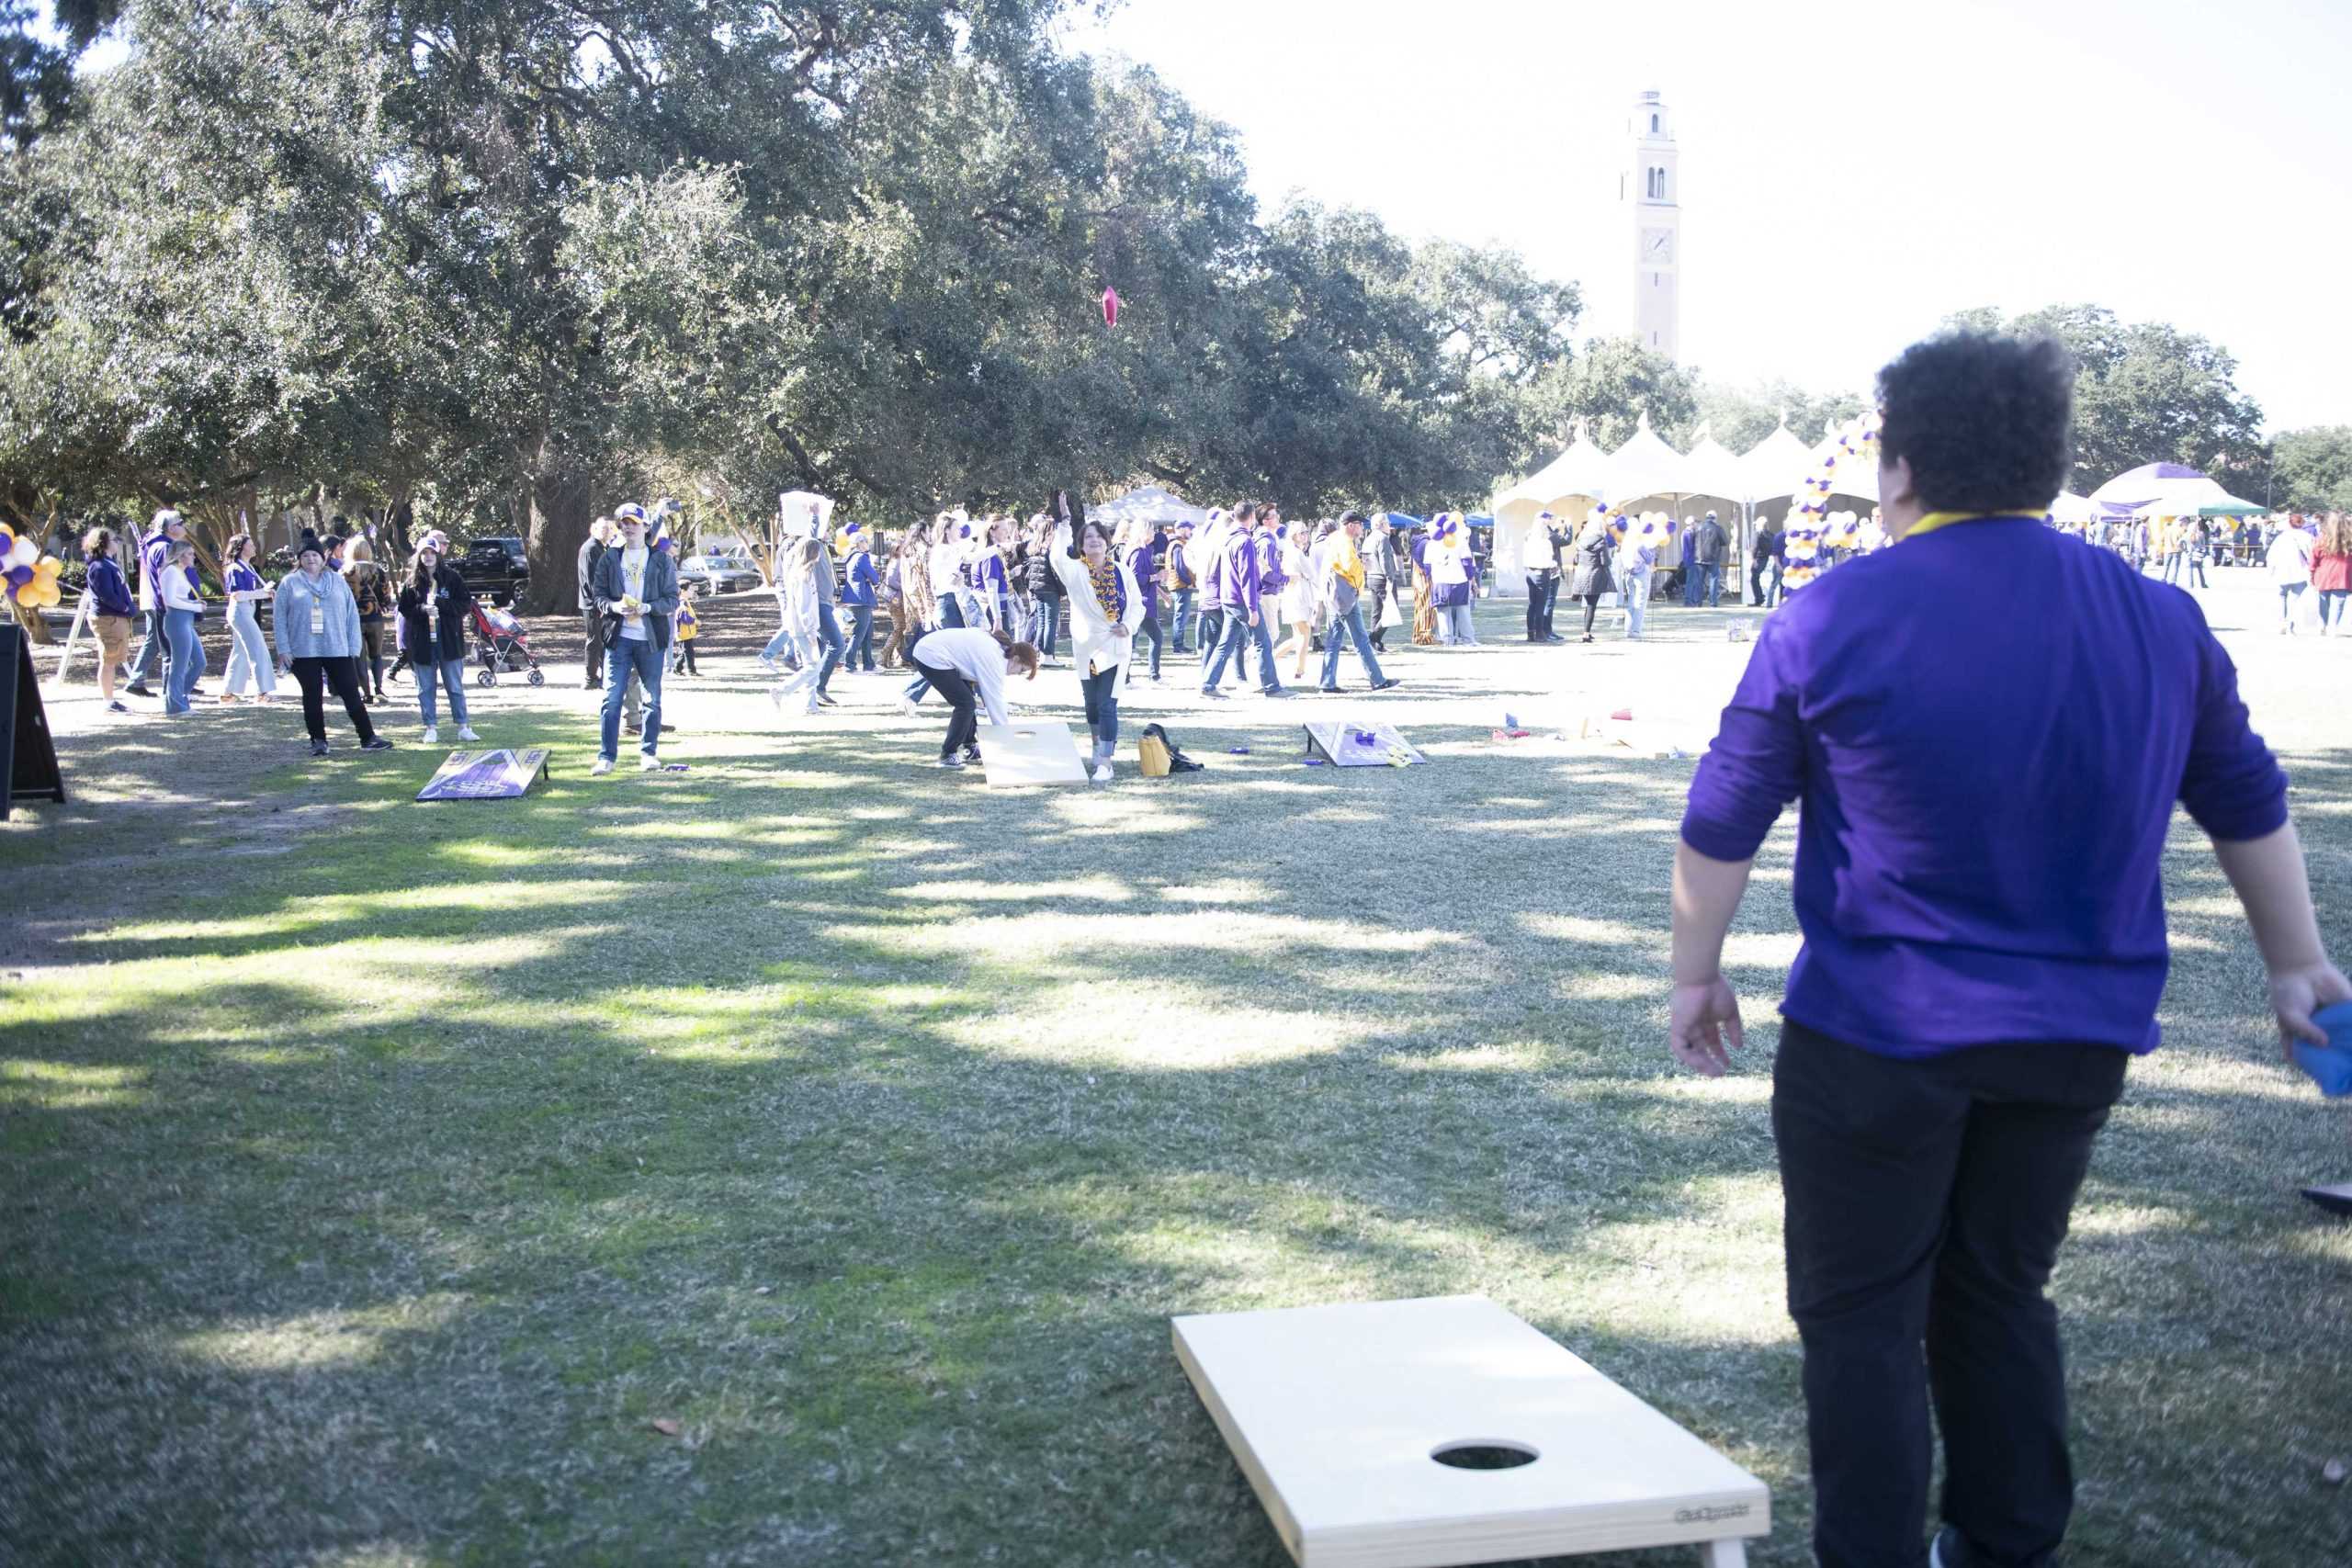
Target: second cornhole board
[(1334, 1413), (1030, 753), (1354, 745)]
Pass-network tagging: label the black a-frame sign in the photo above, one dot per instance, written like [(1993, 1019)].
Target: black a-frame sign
[(27, 756)]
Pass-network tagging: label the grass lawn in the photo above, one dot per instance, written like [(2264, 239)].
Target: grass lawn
[(376, 1176)]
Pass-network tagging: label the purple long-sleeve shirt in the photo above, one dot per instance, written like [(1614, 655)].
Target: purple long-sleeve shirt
[(109, 593), (1241, 572), (1271, 578), (1987, 727)]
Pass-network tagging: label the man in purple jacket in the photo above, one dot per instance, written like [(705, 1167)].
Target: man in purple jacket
[(1985, 803), (1244, 617), (153, 551)]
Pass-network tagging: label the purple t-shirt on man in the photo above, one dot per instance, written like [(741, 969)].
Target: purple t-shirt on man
[(1987, 727)]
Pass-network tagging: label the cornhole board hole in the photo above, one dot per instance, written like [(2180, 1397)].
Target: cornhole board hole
[(1418, 1434), (486, 775), (1353, 745), (1030, 753)]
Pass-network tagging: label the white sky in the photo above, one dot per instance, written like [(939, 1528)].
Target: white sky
[(1850, 173)]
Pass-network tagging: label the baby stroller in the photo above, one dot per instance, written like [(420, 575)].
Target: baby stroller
[(502, 648)]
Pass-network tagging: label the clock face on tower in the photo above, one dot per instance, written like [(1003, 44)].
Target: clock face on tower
[(1658, 244)]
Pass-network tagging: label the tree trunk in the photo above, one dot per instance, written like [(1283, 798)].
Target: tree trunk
[(557, 498)]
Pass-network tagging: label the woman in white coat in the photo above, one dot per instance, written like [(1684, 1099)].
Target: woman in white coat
[(796, 593), (1105, 608)]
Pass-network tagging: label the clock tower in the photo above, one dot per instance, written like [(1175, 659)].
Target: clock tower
[(1653, 195)]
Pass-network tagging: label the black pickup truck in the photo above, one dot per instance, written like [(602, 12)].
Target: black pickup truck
[(494, 569)]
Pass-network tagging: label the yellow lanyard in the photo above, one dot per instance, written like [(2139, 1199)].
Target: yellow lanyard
[(1935, 520)]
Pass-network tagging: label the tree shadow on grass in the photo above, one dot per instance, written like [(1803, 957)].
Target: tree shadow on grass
[(847, 1144)]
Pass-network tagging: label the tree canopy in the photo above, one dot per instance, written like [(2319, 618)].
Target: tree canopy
[(509, 260)]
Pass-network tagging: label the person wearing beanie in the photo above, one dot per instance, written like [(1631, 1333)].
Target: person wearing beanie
[(316, 623)]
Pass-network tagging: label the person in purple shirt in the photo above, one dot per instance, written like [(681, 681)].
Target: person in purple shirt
[(1245, 607), (154, 551), (1145, 543), (1985, 800), (111, 611)]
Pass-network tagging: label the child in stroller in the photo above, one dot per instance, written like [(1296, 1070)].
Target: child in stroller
[(502, 646)]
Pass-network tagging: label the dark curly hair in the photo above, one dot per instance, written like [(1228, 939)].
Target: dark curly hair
[(1985, 421)]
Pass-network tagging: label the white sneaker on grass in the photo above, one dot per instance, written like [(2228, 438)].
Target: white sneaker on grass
[(1102, 772), (431, 736), (604, 765), (466, 732), (647, 763)]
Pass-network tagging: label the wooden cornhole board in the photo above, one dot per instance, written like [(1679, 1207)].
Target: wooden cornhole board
[(1334, 1413), (1030, 753)]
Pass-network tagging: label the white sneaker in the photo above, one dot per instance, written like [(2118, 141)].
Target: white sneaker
[(604, 765), (775, 698), (647, 763), (466, 732), (907, 706), (431, 736), (1102, 772)]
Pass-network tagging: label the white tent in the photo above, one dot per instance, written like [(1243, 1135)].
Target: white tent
[(1713, 471), (1646, 469), (1149, 503), (2071, 508), (1775, 466), (1568, 487), (2163, 490)]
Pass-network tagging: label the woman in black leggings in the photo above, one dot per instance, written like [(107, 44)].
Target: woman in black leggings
[(1593, 577)]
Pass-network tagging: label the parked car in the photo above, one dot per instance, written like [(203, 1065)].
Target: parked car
[(719, 574), (495, 568)]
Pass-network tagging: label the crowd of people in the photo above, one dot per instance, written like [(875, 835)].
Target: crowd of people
[(971, 602), (328, 616), (1243, 596)]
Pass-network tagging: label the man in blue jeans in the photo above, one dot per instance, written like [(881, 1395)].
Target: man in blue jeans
[(1709, 545), (637, 592), (1244, 615), (1343, 592)]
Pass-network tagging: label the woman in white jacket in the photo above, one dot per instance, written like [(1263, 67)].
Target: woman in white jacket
[(1105, 608), (796, 593)]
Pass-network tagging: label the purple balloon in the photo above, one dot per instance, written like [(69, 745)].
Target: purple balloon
[(20, 575)]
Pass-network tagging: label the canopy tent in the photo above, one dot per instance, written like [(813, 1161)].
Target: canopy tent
[(2160, 490), (1713, 470), (1568, 487), (2071, 508), (1774, 466), (1149, 503), (1646, 469)]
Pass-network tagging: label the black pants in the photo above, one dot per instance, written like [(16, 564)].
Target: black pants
[(343, 674), (1591, 608), (592, 626), (1926, 1200), (1540, 585), (371, 633), (1149, 627), (964, 723)]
